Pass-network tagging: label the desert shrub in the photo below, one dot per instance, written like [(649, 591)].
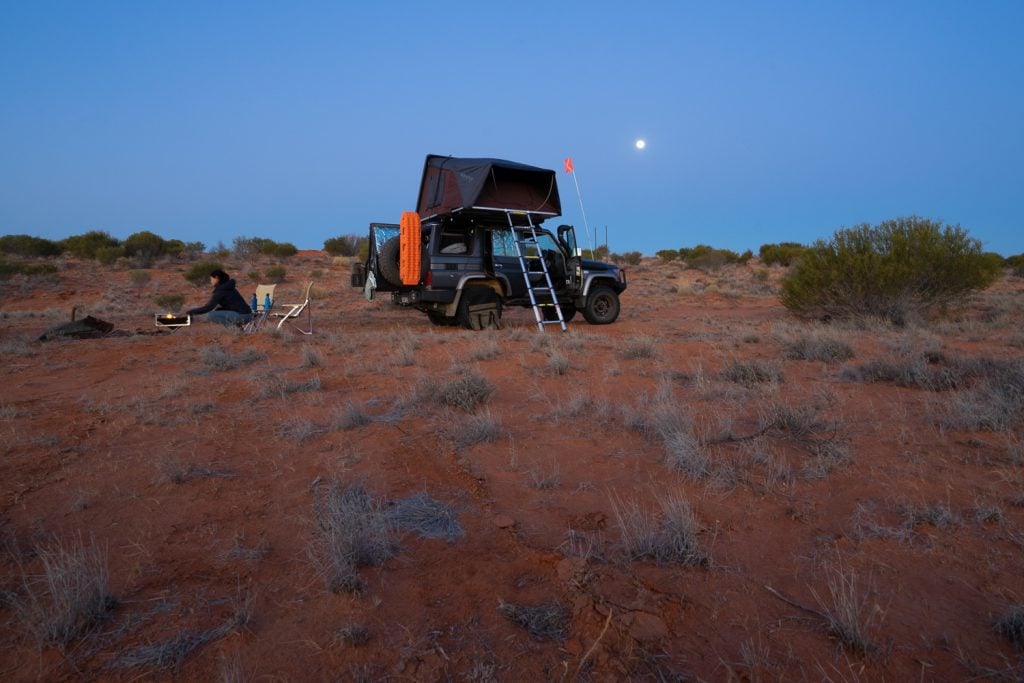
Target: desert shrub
[(895, 269), (191, 250), (9, 268), (667, 255), (1015, 264), (783, 253), (345, 245), (87, 244), (140, 277), (145, 245), (108, 255), (199, 272), (275, 274), (170, 302), (632, 258), (249, 246), (26, 245), (703, 257)]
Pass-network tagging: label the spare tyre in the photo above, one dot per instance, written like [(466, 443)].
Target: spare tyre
[(387, 261)]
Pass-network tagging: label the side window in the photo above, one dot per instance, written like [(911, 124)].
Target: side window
[(546, 243), (455, 242), (503, 243)]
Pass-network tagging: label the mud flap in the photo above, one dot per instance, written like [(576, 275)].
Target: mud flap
[(370, 287), (484, 317)]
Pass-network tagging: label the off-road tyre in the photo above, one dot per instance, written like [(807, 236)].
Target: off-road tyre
[(387, 261), (440, 319), (471, 296), (602, 306), (568, 311)]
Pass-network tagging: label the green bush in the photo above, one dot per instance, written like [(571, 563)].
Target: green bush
[(26, 245), (140, 277), (783, 253), (248, 246), (275, 274), (88, 244), (170, 302), (667, 255), (199, 272), (345, 245), (898, 268), (703, 257), (145, 245), (632, 258), (1015, 264), (9, 268), (107, 255)]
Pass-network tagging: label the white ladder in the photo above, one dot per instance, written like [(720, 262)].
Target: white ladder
[(524, 239)]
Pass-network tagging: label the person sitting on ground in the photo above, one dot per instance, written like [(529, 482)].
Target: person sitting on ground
[(226, 306)]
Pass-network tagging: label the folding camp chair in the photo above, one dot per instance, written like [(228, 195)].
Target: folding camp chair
[(264, 303), (293, 311)]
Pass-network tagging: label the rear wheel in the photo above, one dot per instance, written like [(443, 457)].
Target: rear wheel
[(602, 306), (472, 296), (439, 318)]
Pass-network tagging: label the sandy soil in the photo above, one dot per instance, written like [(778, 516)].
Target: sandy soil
[(194, 461)]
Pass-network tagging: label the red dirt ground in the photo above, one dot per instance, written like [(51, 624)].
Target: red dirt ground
[(923, 519)]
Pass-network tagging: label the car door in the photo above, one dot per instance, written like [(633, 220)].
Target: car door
[(505, 259)]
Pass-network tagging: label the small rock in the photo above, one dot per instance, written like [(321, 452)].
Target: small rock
[(647, 627), (504, 521)]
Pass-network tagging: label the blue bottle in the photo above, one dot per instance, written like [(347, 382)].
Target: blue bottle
[(266, 302), (253, 304)]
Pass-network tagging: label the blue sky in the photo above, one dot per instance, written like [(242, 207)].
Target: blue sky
[(764, 122)]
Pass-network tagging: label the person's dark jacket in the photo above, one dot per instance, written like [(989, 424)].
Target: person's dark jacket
[(225, 297)]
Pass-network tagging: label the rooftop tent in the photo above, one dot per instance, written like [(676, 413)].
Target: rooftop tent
[(457, 185)]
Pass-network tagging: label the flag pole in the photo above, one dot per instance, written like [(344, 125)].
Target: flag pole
[(571, 169)]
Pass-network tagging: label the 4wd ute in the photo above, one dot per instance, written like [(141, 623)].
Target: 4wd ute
[(481, 245)]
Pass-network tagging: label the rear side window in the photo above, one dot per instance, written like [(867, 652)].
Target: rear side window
[(455, 242)]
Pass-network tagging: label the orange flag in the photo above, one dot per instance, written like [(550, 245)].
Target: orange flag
[(568, 164)]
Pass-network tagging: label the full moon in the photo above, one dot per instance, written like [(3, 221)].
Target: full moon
[(640, 144)]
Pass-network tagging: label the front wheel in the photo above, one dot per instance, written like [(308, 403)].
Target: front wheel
[(568, 312), (602, 306)]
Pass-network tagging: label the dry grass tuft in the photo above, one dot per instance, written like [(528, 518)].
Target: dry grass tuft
[(467, 392), (1011, 625), (849, 613), (167, 656), (670, 536), (426, 517), (353, 530), (70, 597), (478, 428), (546, 621), (752, 373)]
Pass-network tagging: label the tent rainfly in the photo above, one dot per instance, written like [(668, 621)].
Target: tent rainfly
[(454, 185)]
